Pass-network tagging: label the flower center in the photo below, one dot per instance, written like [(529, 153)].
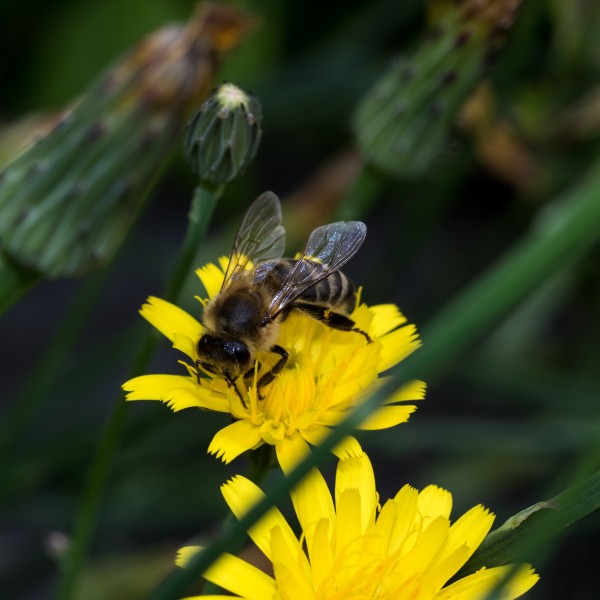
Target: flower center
[(292, 393)]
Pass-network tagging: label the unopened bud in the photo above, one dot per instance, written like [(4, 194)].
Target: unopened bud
[(67, 202), (405, 118), (223, 136)]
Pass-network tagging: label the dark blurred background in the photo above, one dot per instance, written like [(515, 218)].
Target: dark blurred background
[(505, 425)]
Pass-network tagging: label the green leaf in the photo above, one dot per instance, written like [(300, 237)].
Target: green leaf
[(523, 536)]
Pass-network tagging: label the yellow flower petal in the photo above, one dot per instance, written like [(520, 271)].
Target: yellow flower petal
[(470, 530), (233, 440), (413, 390), (388, 416), (186, 344), (348, 448), (291, 568), (320, 551), (313, 504), (234, 574), (477, 585), (170, 319), (386, 317), (379, 541), (152, 387), (177, 391), (290, 451), (442, 570), (348, 529), (397, 345), (434, 502), (405, 502), (356, 473), (212, 278), (427, 545)]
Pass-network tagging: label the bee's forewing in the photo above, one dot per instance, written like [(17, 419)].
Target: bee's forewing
[(328, 248), (261, 236)]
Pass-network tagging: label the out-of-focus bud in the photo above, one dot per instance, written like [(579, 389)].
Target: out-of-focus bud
[(405, 118), (223, 136), (67, 202)]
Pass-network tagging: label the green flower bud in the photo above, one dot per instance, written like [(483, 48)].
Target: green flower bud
[(404, 120), (67, 202), (223, 136)]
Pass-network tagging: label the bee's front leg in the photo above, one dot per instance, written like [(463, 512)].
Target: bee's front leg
[(270, 375)]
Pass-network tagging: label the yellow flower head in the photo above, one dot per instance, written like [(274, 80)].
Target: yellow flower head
[(356, 550), (328, 371)]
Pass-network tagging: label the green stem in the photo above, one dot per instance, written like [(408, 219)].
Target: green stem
[(567, 228), (202, 207), (201, 210)]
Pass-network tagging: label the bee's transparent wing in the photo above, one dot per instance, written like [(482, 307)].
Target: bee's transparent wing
[(328, 249), (261, 236)]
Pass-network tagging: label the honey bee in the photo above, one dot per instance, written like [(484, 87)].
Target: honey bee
[(261, 289)]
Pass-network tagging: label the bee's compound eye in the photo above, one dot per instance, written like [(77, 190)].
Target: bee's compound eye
[(239, 352), (204, 344)]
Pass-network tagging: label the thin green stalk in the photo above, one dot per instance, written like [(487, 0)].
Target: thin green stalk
[(202, 207), (568, 227), (201, 210)]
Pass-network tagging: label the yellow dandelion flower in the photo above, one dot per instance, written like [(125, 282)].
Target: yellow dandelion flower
[(351, 548), (328, 372)]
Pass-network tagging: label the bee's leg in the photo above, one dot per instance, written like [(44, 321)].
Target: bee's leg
[(250, 371), (231, 383), (331, 318), (278, 367), (206, 366)]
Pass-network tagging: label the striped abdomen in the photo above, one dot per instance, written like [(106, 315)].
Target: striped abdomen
[(336, 291)]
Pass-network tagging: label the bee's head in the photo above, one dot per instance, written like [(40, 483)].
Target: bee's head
[(230, 359)]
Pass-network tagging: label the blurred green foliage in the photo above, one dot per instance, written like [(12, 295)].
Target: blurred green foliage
[(506, 426)]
